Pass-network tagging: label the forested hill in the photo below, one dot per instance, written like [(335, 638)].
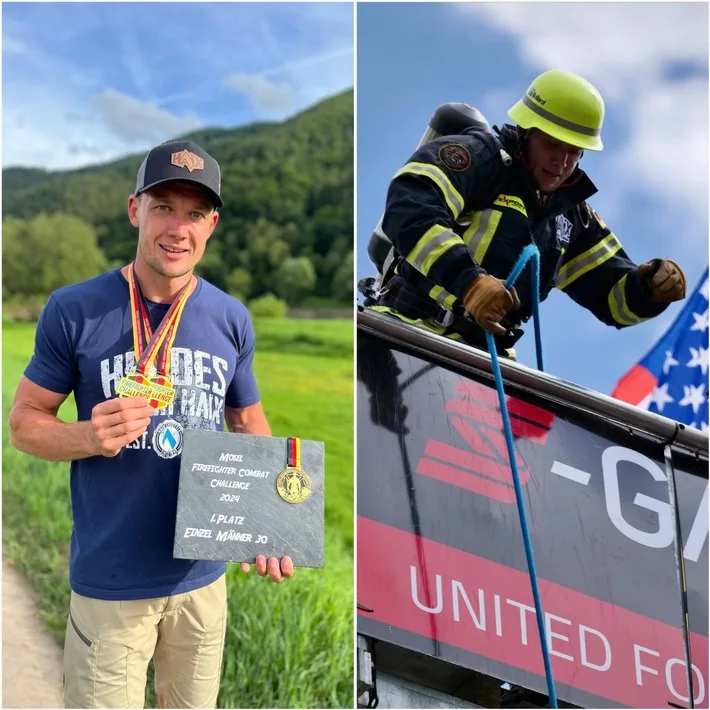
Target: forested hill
[(288, 192)]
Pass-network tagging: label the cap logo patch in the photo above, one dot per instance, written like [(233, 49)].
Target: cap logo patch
[(186, 159)]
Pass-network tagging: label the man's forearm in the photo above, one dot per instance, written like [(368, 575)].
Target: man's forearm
[(258, 427), (255, 424), (45, 436)]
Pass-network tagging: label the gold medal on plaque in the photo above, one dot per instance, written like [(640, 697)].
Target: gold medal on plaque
[(293, 484), (152, 347)]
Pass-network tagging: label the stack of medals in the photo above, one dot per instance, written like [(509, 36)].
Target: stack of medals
[(152, 348)]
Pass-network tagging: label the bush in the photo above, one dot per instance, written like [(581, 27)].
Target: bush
[(267, 306), (297, 278), (47, 252), (22, 309), (239, 283)]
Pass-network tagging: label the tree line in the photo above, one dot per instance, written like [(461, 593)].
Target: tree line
[(285, 233)]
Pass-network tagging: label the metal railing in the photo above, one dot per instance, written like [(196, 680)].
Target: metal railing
[(542, 384)]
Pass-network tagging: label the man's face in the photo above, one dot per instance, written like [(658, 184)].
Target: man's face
[(174, 222), (551, 161)]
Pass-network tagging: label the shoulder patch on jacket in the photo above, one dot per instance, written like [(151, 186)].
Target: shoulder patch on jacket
[(602, 224), (455, 157)]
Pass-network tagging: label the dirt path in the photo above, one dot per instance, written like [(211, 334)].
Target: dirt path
[(31, 659)]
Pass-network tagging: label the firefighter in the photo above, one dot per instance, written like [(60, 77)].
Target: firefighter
[(463, 208)]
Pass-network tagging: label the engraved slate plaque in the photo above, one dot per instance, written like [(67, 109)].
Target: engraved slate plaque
[(229, 507)]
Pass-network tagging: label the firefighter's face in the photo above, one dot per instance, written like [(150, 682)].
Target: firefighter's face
[(551, 161)]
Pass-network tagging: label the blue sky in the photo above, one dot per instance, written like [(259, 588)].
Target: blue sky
[(88, 82), (650, 62)]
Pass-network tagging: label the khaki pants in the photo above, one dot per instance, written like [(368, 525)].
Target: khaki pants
[(109, 645)]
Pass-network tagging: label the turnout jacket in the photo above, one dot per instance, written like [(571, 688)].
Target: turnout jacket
[(457, 210)]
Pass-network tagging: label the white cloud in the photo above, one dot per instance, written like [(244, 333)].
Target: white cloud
[(626, 49), (301, 81), (58, 131), (264, 93), (54, 141), (134, 120), (669, 154), (620, 46)]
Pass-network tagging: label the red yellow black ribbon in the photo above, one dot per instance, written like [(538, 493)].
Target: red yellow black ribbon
[(294, 453), (155, 346)]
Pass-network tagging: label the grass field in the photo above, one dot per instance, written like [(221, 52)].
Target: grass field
[(288, 645)]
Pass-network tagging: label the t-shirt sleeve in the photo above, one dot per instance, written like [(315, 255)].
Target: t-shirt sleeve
[(52, 364), (243, 390)]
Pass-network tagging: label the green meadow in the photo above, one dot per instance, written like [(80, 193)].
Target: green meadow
[(288, 645)]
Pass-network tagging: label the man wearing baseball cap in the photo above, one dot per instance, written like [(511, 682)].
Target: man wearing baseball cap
[(153, 325)]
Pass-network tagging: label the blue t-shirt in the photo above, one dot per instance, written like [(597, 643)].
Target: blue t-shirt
[(124, 508)]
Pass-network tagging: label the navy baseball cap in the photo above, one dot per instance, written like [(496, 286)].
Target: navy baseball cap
[(180, 160)]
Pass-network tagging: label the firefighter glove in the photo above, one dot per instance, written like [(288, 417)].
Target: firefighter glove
[(488, 300), (665, 279)]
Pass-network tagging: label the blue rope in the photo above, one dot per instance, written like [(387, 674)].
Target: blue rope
[(529, 253)]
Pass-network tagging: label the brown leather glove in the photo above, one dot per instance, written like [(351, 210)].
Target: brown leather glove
[(487, 301), (665, 279)]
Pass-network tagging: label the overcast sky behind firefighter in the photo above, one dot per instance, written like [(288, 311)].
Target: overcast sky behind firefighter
[(89, 82), (649, 61)]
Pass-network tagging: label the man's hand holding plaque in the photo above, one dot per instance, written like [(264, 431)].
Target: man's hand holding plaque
[(271, 566)]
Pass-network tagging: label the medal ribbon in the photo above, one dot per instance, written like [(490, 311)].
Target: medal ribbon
[(294, 453), (148, 345)]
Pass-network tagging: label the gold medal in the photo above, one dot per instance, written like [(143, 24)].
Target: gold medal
[(152, 347), (158, 391), (293, 484)]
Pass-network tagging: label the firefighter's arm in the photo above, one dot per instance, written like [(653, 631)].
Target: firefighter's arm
[(597, 274), (425, 197)]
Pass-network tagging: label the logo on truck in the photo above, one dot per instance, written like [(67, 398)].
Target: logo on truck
[(482, 465)]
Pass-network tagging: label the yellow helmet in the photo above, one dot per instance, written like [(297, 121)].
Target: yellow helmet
[(564, 106)]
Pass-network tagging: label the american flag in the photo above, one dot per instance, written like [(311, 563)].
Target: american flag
[(672, 379)]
